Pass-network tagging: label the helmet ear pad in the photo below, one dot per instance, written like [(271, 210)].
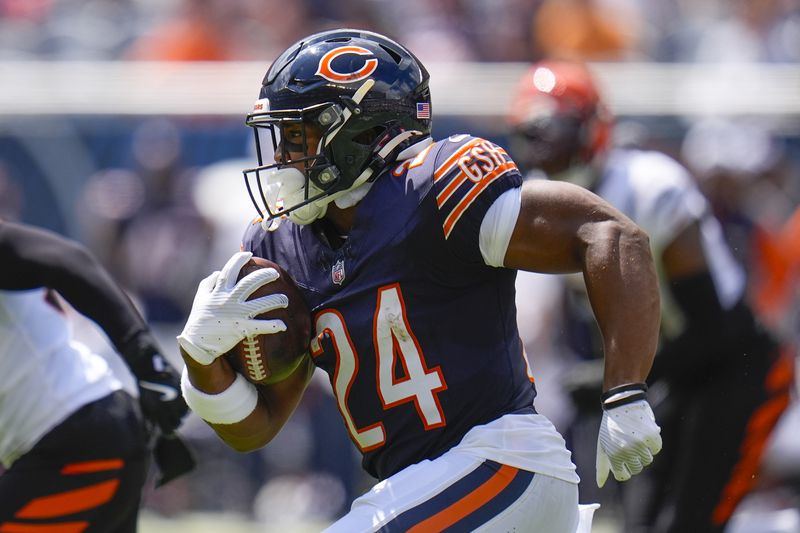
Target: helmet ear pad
[(355, 147)]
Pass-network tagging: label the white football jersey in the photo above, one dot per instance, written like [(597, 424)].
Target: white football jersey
[(45, 376), (657, 193)]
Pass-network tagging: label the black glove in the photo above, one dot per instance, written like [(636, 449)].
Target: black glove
[(159, 383), (162, 404), (172, 458)]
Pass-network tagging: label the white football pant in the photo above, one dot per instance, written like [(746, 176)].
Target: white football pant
[(467, 493)]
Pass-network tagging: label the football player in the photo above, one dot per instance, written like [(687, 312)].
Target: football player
[(75, 444), (406, 249), (727, 382)]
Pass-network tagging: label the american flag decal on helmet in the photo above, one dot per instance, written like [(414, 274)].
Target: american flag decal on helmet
[(423, 110)]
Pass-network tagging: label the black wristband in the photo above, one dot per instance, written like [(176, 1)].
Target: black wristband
[(639, 392)]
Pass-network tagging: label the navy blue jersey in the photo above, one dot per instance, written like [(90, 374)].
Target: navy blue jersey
[(418, 335)]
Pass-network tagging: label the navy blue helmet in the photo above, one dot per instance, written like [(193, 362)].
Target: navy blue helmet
[(368, 98)]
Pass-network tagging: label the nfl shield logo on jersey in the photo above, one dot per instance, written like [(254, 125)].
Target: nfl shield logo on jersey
[(337, 272)]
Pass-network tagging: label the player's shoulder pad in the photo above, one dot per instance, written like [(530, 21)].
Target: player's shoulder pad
[(467, 171), (472, 156)]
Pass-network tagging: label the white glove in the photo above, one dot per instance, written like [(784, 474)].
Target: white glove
[(221, 316), (629, 436)]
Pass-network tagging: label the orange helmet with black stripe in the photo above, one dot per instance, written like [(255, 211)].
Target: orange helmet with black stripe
[(557, 117)]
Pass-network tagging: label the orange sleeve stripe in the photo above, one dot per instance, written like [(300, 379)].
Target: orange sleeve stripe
[(469, 503), (70, 502), (451, 161), (93, 466), (448, 191), (445, 194), (63, 527), (470, 197)]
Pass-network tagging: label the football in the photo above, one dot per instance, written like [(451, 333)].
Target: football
[(266, 359)]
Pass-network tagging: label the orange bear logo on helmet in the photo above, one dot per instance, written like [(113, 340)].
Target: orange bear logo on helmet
[(326, 70)]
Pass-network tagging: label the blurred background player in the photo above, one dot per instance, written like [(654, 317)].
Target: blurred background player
[(400, 244), (74, 443), (719, 381)]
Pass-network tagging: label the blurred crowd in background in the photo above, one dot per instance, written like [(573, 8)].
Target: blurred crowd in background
[(162, 201), (461, 30)]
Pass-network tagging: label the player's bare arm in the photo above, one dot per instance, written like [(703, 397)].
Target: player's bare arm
[(276, 402), (564, 228)]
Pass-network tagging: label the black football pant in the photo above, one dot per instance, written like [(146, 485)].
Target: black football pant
[(84, 476), (714, 438)]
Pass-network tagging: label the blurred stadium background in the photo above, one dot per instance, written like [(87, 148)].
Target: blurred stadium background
[(122, 125)]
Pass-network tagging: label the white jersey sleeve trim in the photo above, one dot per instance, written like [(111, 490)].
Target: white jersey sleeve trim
[(498, 225)]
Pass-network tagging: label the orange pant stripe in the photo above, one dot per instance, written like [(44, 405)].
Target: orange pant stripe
[(469, 503), (93, 466), (70, 502), (757, 434), (64, 527)]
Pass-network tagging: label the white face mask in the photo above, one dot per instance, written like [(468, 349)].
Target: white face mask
[(285, 187)]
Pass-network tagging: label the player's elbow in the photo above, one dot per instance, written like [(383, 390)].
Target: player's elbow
[(242, 437), (620, 232), (621, 241), (245, 447), (73, 252), (638, 262), (637, 239), (245, 444)]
